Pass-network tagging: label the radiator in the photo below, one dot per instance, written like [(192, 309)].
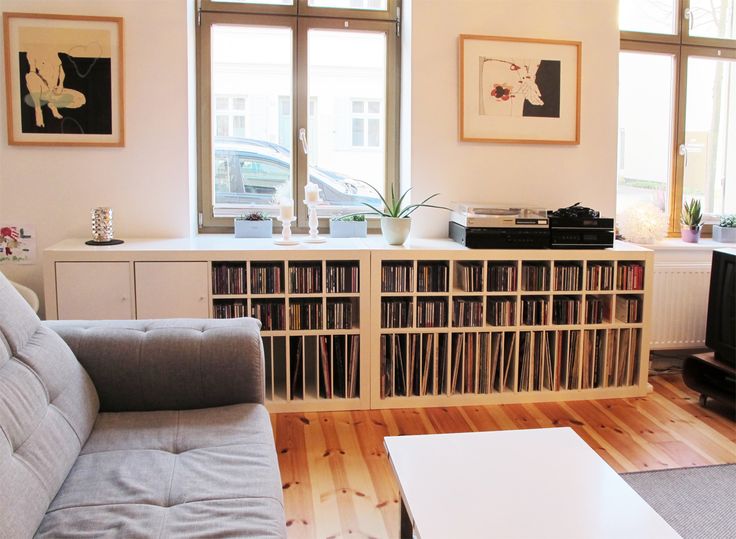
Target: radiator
[(680, 306)]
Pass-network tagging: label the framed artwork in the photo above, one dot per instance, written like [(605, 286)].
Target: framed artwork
[(519, 90), (64, 80)]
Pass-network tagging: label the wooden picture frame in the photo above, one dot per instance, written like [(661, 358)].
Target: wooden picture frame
[(519, 90), (64, 80)]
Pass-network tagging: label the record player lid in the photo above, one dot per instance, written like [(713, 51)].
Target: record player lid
[(481, 209)]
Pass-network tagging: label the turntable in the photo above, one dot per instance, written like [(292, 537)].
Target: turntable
[(491, 226)]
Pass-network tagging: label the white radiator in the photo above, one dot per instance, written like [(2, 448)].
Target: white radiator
[(680, 306)]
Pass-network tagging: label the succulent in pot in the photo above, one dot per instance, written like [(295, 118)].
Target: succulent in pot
[(691, 220), (395, 218), (253, 225), (349, 226), (725, 230)]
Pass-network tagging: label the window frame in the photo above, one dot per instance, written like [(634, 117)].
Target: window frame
[(300, 18), (682, 46)]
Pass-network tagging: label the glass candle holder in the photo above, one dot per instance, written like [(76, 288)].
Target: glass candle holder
[(102, 224)]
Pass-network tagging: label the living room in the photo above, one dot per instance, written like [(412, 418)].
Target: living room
[(157, 170)]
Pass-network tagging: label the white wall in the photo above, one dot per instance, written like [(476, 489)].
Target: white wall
[(148, 182), (549, 175)]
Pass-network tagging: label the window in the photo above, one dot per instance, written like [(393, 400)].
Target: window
[(294, 92), (677, 97)]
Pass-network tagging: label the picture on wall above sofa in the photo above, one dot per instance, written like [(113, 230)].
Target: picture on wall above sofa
[(519, 90), (63, 77)]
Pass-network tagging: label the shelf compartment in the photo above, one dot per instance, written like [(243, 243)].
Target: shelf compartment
[(629, 308), (413, 364), (501, 310), (534, 310), (397, 276), (432, 312), (229, 278), (598, 309), (599, 275), (305, 313), (467, 311), (629, 275), (469, 276), (565, 349), (433, 276), (568, 276), (229, 308), (343, 313), (305, 277), (502, 276), (342, 277), (481, 363), (566, 309), (270, 312), (535, 276), (267, 277), (397, 312)]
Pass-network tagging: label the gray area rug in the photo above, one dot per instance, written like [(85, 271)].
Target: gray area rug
[(699, 503)]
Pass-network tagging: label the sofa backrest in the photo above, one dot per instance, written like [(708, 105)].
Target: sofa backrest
[(48, 406)]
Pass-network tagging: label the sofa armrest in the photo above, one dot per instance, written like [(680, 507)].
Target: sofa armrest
[(175, 364)]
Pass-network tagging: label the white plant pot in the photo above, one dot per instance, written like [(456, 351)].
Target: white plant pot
[(395, 230), (724, 234), (348, 229), (253, 229)]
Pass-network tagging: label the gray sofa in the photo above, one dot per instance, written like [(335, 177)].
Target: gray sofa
[(134, 429)]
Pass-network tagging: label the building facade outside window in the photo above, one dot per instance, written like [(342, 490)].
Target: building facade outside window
[(278, 86), (677, 106)]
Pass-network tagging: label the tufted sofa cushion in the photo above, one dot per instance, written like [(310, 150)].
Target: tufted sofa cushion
[(48, 406), (190, 473)]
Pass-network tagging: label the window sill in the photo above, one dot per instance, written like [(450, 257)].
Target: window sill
[(676, 244)]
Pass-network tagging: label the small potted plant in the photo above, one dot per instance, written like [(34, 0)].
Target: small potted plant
[(253, 225), (395, 219), (349, 226), (725, 230), (691, 220)]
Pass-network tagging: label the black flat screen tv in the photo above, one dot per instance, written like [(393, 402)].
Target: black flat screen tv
[(720, 333)]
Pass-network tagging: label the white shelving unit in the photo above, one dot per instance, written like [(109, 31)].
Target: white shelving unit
[(488, 359), (301, 357)]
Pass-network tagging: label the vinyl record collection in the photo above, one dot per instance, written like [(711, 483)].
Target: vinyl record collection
[(502, 277), (467, 312), (342, 314), (413, 364), (229, 309), (431, 312), (270, 313), (266, 278), (397, 277), (469, 276), (567, 276), (342, 277), (628, 309), (534, 276), (396, 313), (432, 276), (325, 366), (229, 278), (599, 276), (305, 314), (305, 278), (630, 276)]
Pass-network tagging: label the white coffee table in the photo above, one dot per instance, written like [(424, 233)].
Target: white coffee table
[(537, 483)]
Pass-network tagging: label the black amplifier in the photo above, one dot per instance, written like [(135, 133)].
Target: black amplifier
[(500, 238), (580, 233)]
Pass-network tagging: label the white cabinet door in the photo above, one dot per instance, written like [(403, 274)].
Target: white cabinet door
[(93, 291), (171, 290)]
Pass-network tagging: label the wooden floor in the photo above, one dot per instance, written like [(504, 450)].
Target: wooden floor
[(338, 483)]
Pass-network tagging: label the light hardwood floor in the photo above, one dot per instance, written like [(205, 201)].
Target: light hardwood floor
[(338, 483)]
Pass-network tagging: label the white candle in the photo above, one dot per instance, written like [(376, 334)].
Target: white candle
[(286, 209), (311, 193)]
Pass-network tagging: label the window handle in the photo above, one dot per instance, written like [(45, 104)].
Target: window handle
[(303, 140), (690, 17), (682, 150)]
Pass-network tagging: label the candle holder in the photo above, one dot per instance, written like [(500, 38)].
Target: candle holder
[(313, 230), (286, 232)]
